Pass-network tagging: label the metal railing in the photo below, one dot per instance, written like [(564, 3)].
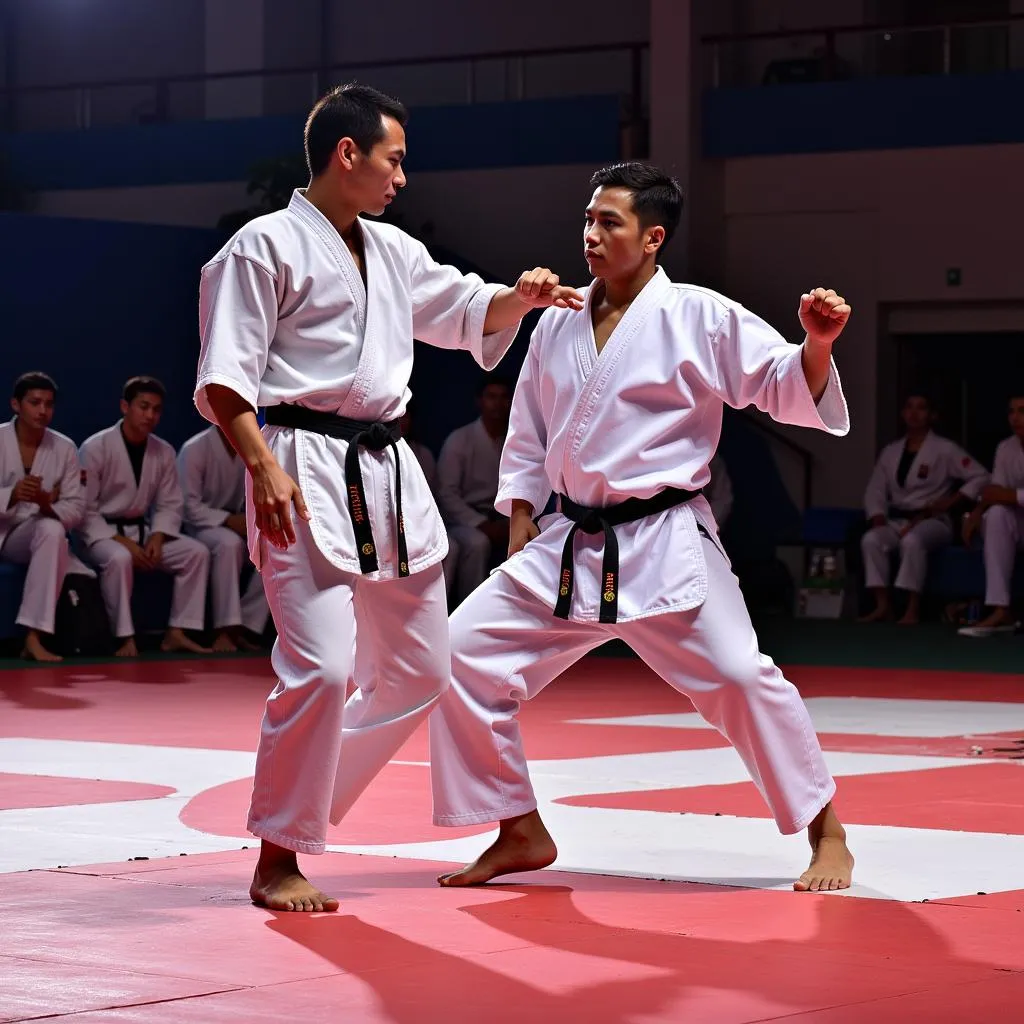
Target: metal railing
[(456, 79), (863, 51)]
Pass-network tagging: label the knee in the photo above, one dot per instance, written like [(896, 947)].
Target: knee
[(50, 533), (912, 544), (999, 517), (873, 540), (230, 550), (475, 543), (197, 557), (118, 561)]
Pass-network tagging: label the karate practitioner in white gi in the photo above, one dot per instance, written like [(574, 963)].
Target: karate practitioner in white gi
[(618, 410), (915, 483), (213, 485), (133, 520), (311, 313), (1000, 514), (467, 483), (41, 498)]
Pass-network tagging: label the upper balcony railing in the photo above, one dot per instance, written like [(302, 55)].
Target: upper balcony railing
[(863, 51), (435, 81)]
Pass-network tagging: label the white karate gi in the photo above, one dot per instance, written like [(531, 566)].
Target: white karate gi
[(467, 484), (285, 318), (937, 466), (1003, 525), (642, 416), (719, 491), (27, 536), (449, 565), (112, 493), (213, 486)]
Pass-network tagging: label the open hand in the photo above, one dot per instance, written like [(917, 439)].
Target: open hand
[(273, 494), (823, 315)]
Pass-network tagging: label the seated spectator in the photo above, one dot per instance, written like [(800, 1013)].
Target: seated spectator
[(425, 458), (133, 520), (213, 487), (467, 473), (1000, 514), (915, 484), (41, 498)]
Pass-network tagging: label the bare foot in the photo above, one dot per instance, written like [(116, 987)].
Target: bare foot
[(909, 619), (279, 885), (128, 649), (224, 644), (831, 861), (878, 615), (523, 844), (912, 616), (995, 619), (176, 640), (35, 651)]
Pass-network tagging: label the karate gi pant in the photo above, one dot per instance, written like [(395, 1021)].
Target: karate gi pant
[(42, 545), (184, 558), (319, 751), (233, 606), (507, 646), (878, 544), (1003, 529)]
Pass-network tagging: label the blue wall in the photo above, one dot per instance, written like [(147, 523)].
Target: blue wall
[(875, 113), (529, 133), (93, 303)]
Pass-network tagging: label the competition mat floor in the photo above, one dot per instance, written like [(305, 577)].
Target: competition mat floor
[(124, 860)]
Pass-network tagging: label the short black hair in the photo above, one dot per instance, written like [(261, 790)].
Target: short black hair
[(348, 111), (657, 196), (34, 381), (492, 380), (135, 386)]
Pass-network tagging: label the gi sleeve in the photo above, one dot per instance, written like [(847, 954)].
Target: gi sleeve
[(449, 308), (1002, 474), (94, 527), (756, 366), (523, 475), (197, 513), (238, 310), (168, 503), (69, 508), (973, 474)]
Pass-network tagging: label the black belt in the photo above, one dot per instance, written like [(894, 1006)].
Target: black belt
[(598, 520), (120, 522), (375, 437)]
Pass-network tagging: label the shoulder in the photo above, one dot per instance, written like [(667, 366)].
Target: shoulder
[(99, 439), (61, 442), (158, 445), (1005, 448), (891, 449), (262, 243)]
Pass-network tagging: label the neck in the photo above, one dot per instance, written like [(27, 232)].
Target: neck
[(917, 436), (27, 434), (132, 435), (620, 292), (333, 206)]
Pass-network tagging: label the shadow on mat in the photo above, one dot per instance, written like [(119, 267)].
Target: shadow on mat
[(645, 974)]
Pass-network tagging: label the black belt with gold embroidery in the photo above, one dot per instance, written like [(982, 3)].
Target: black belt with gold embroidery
[(375, 437), (603, 520)]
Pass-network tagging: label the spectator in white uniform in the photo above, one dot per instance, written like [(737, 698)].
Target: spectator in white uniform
[(467, 484)]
